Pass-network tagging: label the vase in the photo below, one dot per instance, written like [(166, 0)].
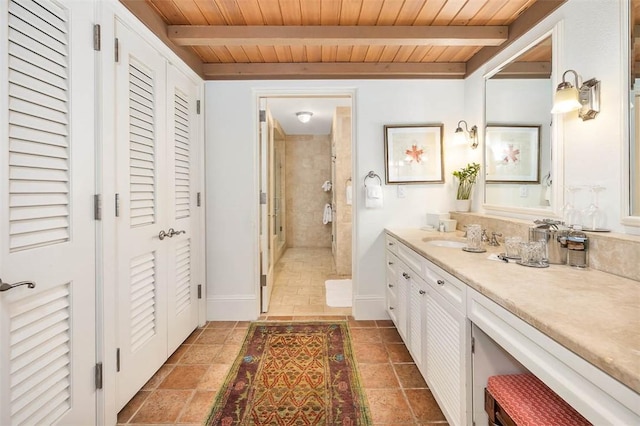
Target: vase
[(463, 205)]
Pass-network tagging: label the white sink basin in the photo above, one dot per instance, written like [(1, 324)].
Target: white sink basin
[(447, 243)]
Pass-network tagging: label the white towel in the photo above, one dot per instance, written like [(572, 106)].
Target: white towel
[(349, 191), (373, 196), (327, 216), (326, 186)]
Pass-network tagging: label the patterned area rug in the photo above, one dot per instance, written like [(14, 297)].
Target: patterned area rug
[(293, 374)]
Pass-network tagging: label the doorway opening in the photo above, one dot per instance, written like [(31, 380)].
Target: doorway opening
[(306, 205)]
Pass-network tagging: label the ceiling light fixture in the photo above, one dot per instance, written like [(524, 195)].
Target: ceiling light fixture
[(570, 98), (465, 135), (304, 116)]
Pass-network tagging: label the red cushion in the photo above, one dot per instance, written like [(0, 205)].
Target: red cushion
[(530, 402)]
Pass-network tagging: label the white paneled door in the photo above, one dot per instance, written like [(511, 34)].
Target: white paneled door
[(183, 248), (47, 331), (266, 216), (157, 213)]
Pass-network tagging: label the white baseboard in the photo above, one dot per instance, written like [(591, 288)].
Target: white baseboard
[(232, 308), (370, 308)]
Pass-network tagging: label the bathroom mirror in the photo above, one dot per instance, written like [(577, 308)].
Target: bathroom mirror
[(519, 96), (634, 112)]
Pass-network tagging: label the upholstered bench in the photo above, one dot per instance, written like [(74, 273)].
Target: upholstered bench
[(522, 399)]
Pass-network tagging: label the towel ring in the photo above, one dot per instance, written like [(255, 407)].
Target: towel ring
[(372, 175)]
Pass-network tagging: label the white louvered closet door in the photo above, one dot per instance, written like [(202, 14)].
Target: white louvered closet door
[(142, 189), (47, 333), (182, 261)]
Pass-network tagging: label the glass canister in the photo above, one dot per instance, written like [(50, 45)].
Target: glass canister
[(474, 238), (554, 233), (577, 247)]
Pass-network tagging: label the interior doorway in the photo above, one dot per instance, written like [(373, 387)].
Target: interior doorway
[(306, 203)]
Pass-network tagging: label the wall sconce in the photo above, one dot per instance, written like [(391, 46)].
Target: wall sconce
[(569, 98), (465, 135), (304, 116)]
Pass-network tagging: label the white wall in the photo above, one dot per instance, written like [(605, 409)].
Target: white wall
[(231, 157), (591, 44), (593, 153)]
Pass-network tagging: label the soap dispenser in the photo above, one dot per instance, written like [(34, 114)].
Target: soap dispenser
[(577, 245)]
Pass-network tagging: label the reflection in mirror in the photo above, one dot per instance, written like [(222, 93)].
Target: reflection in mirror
[(634, 116), (520, 94)]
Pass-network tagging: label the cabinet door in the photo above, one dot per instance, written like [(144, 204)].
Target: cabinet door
[(417, 295), (47, 231), (183, 213), (402, 295), (392, 285), (143, 196), (444, 358)]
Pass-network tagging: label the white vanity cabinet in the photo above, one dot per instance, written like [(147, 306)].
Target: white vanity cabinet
[(405, 291), (392, 287), (447, 352), (597, 396), (438, 312), (427, 306)]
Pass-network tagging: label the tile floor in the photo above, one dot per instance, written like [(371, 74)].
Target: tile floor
[(299, 283), (184, 388)]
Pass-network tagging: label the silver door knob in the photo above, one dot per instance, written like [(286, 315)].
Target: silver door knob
[(170, 233), (173, 232), (6, 286)]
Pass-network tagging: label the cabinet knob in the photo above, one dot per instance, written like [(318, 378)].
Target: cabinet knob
[(390, 285), (390, 263), (422, 292), (390, 244), (391, 308), (440, 282), (405, 275)]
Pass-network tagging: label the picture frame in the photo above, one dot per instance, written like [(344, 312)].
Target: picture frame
[(413, 153), (512, 153)]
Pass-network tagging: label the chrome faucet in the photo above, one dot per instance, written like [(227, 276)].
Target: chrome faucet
[(494, 241)]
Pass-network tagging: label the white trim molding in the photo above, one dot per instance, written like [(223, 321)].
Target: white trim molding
[(233, 307), (370, 308)]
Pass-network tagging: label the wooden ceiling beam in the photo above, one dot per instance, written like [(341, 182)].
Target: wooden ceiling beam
[(525, 70), (262, 35), (527, 20), (347, 70)]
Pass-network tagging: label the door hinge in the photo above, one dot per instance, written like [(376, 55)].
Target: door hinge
[(263, 116), (118, 360), (198, 199), (198, 107), (117, 205), (116, 50), (199, 291), (473, 345), (97, 207), (263, 280), (96, 37), (99, 375), (263, 198)]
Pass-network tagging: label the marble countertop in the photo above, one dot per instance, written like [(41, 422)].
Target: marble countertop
[(594, 314)]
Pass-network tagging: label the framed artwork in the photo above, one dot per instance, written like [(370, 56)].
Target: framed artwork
[(413, 153), (512, 153)]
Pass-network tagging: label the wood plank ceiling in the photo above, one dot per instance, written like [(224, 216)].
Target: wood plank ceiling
[(288, 39)]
